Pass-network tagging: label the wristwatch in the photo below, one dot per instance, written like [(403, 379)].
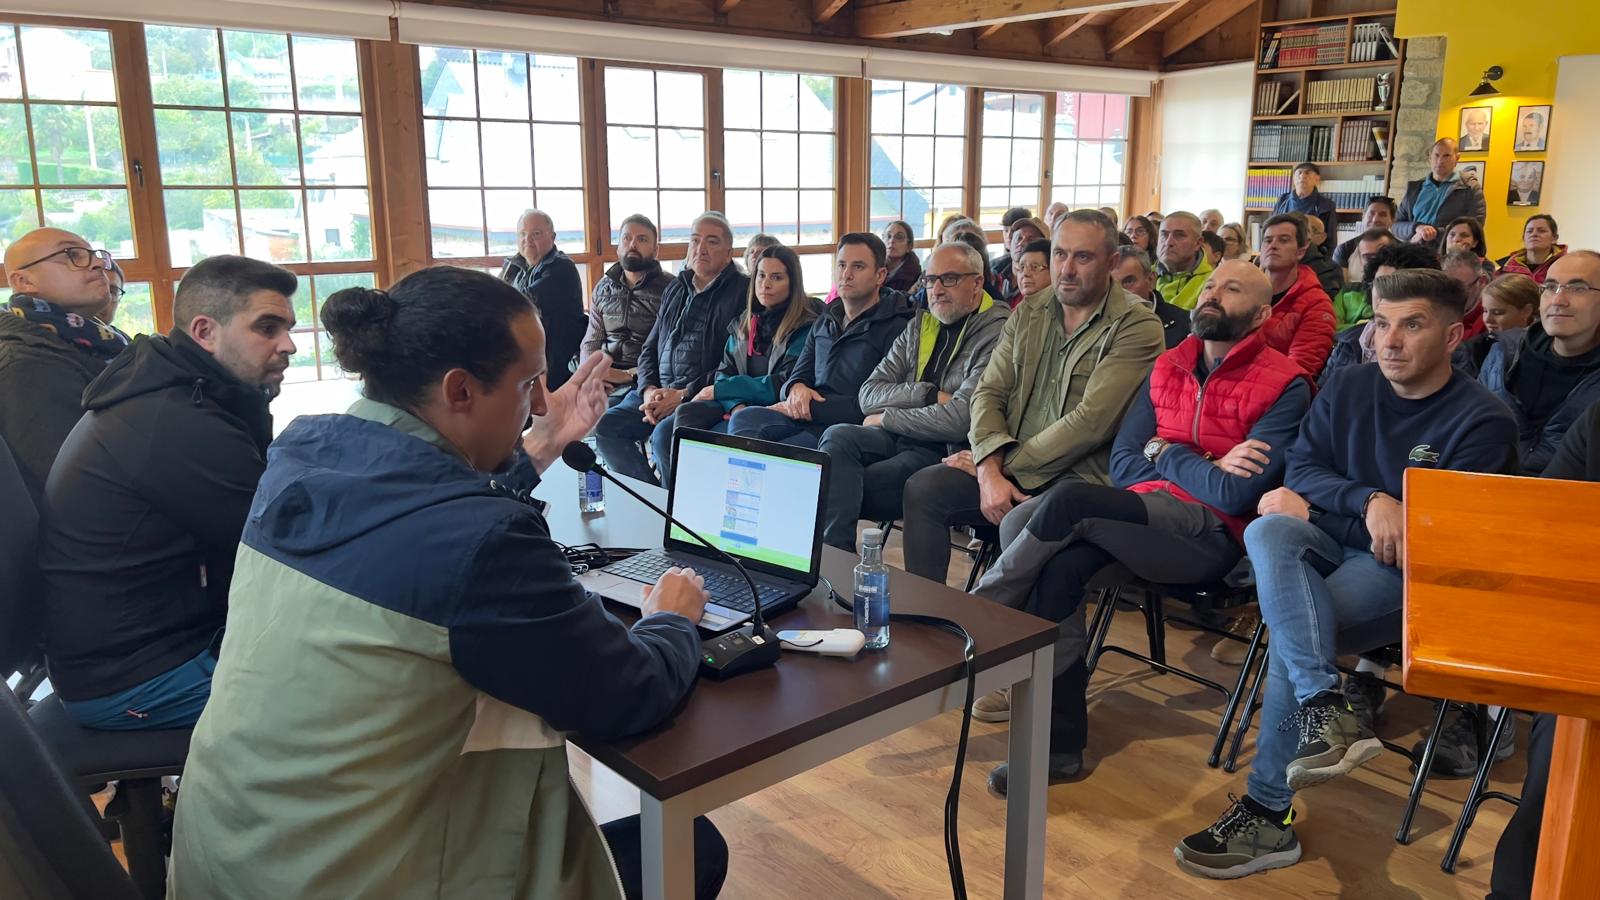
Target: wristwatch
[(1154, 447)]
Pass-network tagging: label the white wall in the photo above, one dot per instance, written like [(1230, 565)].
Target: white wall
[(1205, 136), (1571, 191)]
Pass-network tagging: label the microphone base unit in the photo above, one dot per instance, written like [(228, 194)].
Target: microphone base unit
[(737, 652)]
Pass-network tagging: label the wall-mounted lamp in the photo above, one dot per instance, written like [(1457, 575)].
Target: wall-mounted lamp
[(1484, 88)]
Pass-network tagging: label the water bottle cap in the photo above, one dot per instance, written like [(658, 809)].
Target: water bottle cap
[(872, 537)]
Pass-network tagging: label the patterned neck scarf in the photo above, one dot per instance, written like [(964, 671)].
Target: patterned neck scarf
[(86, 333)]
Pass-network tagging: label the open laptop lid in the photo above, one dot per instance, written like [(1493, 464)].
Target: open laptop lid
[(761, 502)]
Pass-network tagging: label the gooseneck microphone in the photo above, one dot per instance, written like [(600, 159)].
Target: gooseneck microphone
[(744, 650)]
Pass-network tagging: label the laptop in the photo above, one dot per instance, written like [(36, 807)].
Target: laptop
[(759, 501)]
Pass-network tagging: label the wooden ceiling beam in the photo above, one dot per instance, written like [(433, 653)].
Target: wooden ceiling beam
[(1205, 18), (823, 10), (990, 31), (1135, 23), (1058, 30), (904, 17)]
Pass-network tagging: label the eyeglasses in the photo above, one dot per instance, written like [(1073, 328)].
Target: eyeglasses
[(77, 257), (117, 291), (1033, 267), (1571, 287), (948, 279)]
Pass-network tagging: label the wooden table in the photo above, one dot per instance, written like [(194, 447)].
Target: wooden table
[(734, 738)]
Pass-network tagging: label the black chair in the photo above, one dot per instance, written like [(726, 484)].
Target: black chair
[(1478, 795), (982, 558), (20, 650)]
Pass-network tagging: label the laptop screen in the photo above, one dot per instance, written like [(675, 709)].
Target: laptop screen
[(753, 505)]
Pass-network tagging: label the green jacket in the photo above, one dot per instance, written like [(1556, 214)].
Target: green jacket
[(1182, 289), (1352, 306), (1107, 365)]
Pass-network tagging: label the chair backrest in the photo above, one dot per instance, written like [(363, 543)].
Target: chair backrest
[(49, 847), (19, 571)]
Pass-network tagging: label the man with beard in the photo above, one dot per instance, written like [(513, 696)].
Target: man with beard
[(1205, 438), (145, 505), (625, 302)]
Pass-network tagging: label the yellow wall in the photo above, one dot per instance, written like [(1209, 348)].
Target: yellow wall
[(1525, 38)]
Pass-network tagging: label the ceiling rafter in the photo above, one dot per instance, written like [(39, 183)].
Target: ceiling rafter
[(1205, 19), (899, 18), (823, 10), (1058, 30), (1135, 23)]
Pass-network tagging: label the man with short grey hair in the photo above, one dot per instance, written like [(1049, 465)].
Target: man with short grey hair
[(1137, 277), (1183, 264), (550, 279)]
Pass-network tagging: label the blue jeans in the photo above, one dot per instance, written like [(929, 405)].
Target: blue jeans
[(620, 436), (703, 414), (173, 699), (770, 425), (1316, 595)]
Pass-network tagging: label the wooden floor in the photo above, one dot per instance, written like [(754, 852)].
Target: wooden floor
[(869, 825)]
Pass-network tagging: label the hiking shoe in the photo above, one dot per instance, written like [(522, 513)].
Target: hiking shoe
[(1456, 754), (1364, 694), (1332, 741), (1244, 841), (1062, 767), (994, 706), (1243, 626)]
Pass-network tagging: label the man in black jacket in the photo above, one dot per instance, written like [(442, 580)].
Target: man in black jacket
[(144, 508), (624, 306), (682, 352), (549, 278)]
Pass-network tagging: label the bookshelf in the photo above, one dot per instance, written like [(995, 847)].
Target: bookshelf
[(1316, 86)]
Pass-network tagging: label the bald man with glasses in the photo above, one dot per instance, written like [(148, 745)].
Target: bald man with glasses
[(52, 344)]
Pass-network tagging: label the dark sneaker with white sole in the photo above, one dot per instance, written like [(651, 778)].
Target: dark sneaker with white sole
[(1456, 754), (1061, 767), (1247, 839), (1333, 741), (1364, 693)]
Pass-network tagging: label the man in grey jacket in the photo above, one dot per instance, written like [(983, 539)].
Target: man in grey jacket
[(916, 400)]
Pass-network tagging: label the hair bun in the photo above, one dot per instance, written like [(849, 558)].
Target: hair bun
[(357, 319)]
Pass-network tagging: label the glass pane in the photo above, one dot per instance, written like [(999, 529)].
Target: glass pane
[(508, 160), (566, 209), (341, 224), (502, 85), (919, 107), (200, 223), (447, 82), (678, 212), (888, 100), (455, 223), (184, 67), (918, 210), (325, 73), (274, 226), (888, 161), (741, 156), (743, 209), (192, 146), (816, 160), (816, 217), (1064, 170), (1029, 121), (780, 101), (1088, 163), (918, 164), (1026, 196), (816, 103), (265, 149), (1067, 115), (19, 214), (680, 99), (135, 314), (945, 202), (683, 158), (883, 208), (630, 96), (949, 161), (780, 163), (503, 210), (258, 70), (326, 285), (995, 167), (557, 156), (452, 151), (631, 156), (335, 150), (1025, 154), (68, 64), (99, 215), (781, 212), (741, 98), (952, 105), (997, 114), (992, 202), (10, 81), (626, 203), (303, 363), (555, 88), (78, 144), (1111, 166), (1116, 117), (16, 167)]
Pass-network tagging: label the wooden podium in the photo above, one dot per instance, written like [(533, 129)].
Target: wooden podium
[(1502, 606)]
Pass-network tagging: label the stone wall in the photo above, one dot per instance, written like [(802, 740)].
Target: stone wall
[(1418, 117)]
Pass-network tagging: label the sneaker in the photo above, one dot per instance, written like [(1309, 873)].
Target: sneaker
[(1364, 694), (994, 706), (1243, 626), (1332, 741), (1456, 754), (1061, 768), (1244, 841)]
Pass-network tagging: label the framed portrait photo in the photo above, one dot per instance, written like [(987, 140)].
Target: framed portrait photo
[(1476, 122), (1533, 129), (1471, 173), (1527, 179)]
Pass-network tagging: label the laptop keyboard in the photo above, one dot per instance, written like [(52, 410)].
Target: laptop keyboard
[(726, 588)]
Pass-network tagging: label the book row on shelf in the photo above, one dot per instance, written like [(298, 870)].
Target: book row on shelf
[(1263, 187), (1372, 42), (1270, 100), (1304, 45), (1359, 140), (1341, 95)]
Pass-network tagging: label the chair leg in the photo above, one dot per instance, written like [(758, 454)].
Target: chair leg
[(1475, 796), (1403, 835), (1250, 707), (981, 562), (141, 836), (1235, 696), (1154, 629), (1109, 598)]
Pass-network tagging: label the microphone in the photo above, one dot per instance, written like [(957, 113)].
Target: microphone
[(744, 650)]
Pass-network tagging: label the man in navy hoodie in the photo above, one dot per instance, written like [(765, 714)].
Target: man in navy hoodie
[(1328, 548)]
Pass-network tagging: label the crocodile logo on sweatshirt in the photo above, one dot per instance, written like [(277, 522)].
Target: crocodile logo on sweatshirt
[(1421, 454)]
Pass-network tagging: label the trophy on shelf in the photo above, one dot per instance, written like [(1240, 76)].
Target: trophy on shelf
[(1383, 92)]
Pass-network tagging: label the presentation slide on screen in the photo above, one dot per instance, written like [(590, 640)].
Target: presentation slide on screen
[(753, 506)]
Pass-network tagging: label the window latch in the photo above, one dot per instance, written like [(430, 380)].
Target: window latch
[(138, 172)]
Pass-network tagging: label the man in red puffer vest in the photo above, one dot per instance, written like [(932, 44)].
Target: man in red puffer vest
[(1205, 438), (1303, 322)]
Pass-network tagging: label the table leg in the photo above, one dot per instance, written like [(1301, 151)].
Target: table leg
[(1026, 788), (667, 835)]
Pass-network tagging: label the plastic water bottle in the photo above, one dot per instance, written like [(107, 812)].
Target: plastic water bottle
[(872, 591), (591, 489)]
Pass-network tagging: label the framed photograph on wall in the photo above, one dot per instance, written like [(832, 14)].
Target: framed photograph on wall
[(1476, 122), (1471, 173), (1527, 179), (1533, 129)]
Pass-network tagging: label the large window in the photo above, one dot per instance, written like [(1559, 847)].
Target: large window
[(500, 136), (778, 150), (1012, 164), (655, 148), (918, 154), (1091, 150)]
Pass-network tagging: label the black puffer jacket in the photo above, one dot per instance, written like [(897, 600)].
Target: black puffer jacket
[(685, 345), (554, 286), (838, 358), (621, 315)]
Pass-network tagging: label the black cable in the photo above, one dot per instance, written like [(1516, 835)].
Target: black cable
[(952, 800)]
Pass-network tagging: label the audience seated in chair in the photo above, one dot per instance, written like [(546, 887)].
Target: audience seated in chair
[(1510, 304), (1213, 246), (1540, 249), (623, 307), (1378, 216), (1047, 406), (1352, 306), (1032, 269), (1328, 547), (1329, 274), (51, 344), (1302, 323), (905, 269), (1211, 220), (549, 278), (1183, 264), (851, 336), (1139, 279), (143, 510), (395, 682), (1001, 265), (1465, 267), (1356, 345), (1205, 438), (917, 402), (681, 353)]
